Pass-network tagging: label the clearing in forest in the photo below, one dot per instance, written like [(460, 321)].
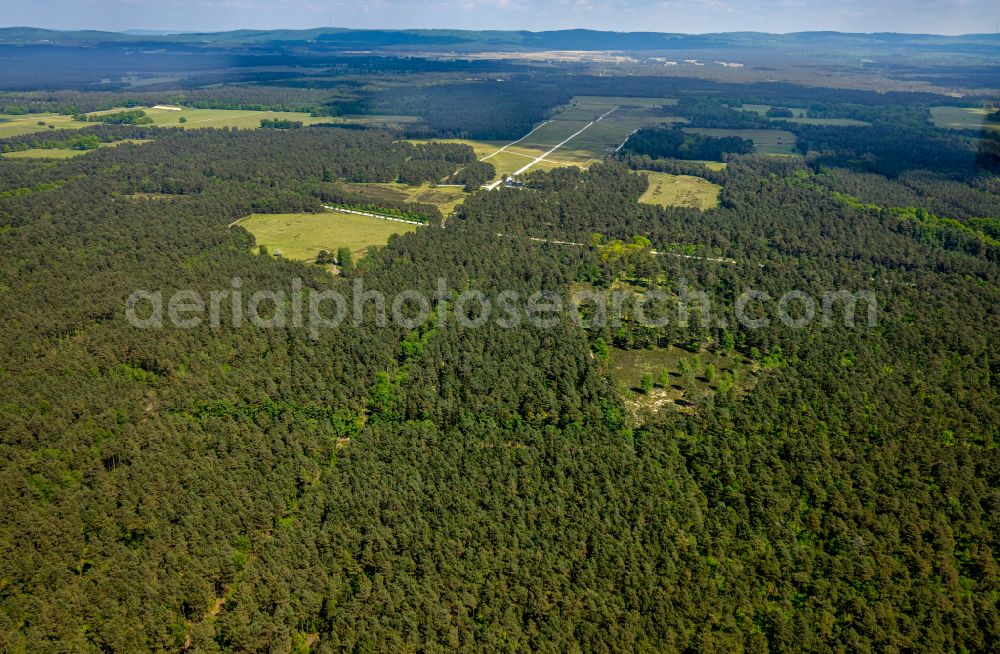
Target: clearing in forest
[(16, 125), (169, 116), (445, 198), (674, 383), (800, 115), (668, 190), (195, 118), (962, 118), (765, 141), (301, 236), (247, 119)]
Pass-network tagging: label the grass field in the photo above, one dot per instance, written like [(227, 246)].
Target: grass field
[(301, 236), (515, 156), (712, 165), (196, 118), (18, 125), (445, 198), (64, 153), (766, 141), (164, 117), (505, 162), (251, 119), (668, 190), (961, 118), (511, 162), (49, 153)]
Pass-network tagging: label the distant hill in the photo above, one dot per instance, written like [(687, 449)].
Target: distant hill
[(470, 41)]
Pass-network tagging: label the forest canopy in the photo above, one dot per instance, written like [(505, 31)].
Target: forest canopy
[(671, 142), (701, 484)]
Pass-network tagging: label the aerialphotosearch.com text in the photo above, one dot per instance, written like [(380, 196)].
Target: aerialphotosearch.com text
[(321, 310)]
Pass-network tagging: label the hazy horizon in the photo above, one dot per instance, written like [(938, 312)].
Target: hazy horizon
[(936, 17), (169, 32)]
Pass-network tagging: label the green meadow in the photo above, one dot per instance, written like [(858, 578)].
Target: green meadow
[(962, 118), (301, 236), (16, 125), (668, 190)]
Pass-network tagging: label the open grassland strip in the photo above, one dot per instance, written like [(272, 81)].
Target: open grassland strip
[(17, 125), (517, 141)]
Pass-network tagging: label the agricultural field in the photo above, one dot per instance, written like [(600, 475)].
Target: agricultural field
[(668, 190), (961, 118), (445, 198), (64, 153), (300, 236), (766, 141), (627, 368), (15, 125)]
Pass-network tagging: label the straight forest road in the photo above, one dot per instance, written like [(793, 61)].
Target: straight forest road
[(490, 187), (375, 215), (539, 126)]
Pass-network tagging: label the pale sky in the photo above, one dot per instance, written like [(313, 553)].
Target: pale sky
[(692, 16)]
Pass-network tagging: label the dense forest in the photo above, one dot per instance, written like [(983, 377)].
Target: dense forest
[(672, 143), (436, 487)]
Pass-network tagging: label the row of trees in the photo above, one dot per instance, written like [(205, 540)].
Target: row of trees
[(127, 117)]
